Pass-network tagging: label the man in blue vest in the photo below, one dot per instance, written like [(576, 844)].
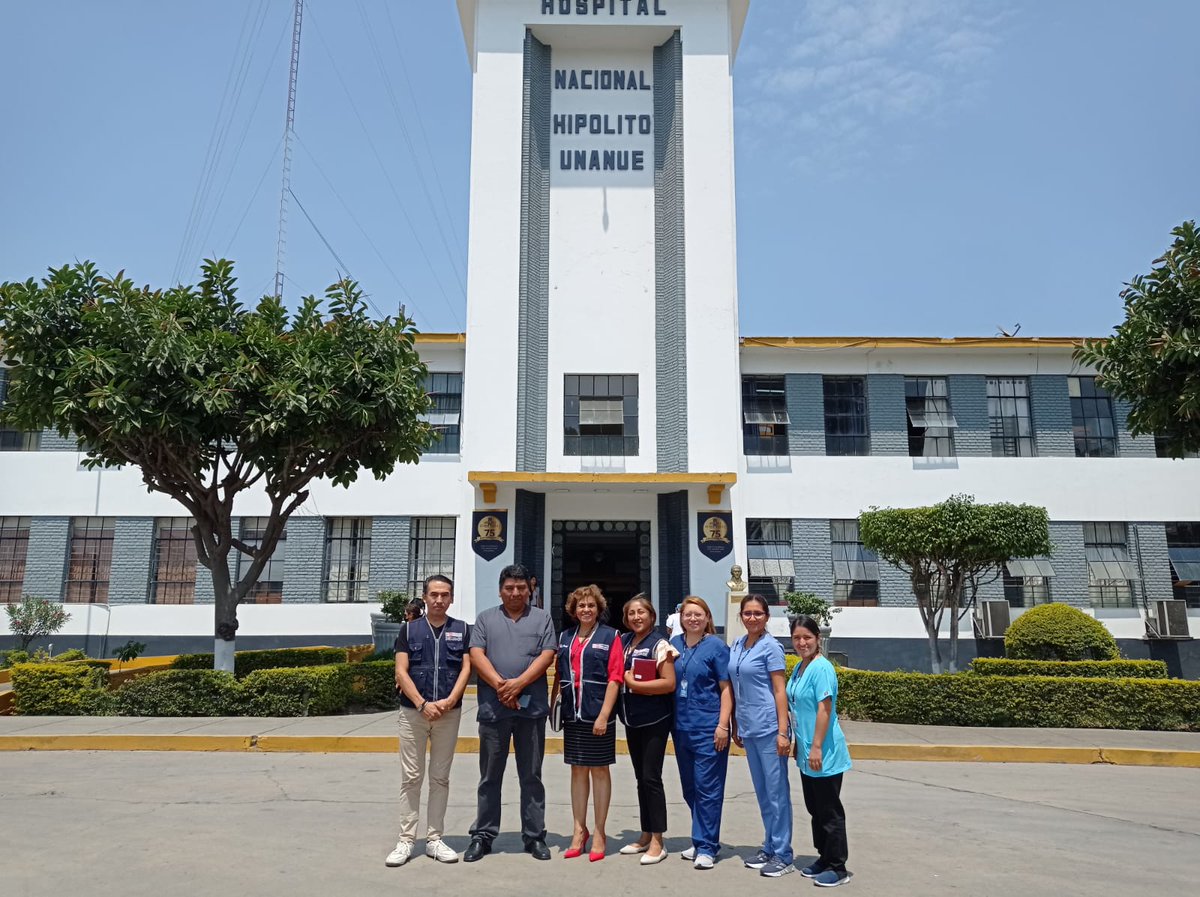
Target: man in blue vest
[(432, 669)]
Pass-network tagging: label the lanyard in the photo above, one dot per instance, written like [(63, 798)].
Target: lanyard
[(687, 660)]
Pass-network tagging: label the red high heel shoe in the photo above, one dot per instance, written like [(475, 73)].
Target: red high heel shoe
[(596, 855), (571, 852)]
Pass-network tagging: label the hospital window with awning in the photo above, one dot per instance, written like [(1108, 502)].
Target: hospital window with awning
[(764, 416), (445, 412), (1111, 572), (930, 424), (1183, 547), (1027, 581), (772, 571), (855, 569)]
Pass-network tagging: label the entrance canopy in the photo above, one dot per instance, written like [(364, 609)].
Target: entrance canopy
[(488, 481)]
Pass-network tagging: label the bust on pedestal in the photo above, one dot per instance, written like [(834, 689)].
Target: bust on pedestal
[(737, 590)]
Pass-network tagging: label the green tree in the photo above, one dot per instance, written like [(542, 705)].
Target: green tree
[(35, 618), (1152, 360), (946, 547), (210, 398)]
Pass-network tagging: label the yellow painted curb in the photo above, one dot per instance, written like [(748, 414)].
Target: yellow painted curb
[(206, 743)]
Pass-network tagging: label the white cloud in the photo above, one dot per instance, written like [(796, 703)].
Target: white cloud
[(827, 75)]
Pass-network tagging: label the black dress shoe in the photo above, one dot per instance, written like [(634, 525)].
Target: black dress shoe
[(537, 847), (478, 849)]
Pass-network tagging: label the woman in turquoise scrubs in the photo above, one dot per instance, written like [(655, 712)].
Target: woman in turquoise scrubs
[(821, 753)]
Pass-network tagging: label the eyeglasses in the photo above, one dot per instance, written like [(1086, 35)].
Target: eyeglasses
[(752, 614)]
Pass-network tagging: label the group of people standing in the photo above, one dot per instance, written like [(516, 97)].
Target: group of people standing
[(691, 689)]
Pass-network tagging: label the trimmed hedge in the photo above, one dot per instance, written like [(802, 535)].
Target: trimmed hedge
[(246, 662), (1058, 632), (1096, 669), (62, 689), (374, 684), (1034, 701), (181, 693), (307, 691)]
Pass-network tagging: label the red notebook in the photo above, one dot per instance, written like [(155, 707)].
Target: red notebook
[(644, 669)]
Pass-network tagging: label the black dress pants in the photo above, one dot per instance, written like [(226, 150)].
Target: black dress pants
[(823, 800), (647, 747)]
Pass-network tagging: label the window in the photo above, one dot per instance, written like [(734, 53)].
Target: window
[(930, 423), (1183, 547), (1027, 581), (14, 440), (268, 588), (1092, 419), (173, 580), (1110, 571), (1008, 417), (600, 415), (431, 550), (445, 391), (764, 416), (769, 552), (14, 545), (347, 558), (846, 428), (89, 560), (1162, 451), (855, 570)]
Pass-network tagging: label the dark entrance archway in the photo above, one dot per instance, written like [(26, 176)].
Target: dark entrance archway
[(613, 554)]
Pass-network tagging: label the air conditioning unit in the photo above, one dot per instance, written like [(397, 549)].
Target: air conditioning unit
[(1170, 619), (992, 619)]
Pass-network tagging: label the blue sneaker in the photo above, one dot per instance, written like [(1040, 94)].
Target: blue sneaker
[(831, 878), (813, 869), (757, 861), (776, 868)]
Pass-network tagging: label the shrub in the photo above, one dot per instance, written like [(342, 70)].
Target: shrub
[(246, 662), (308, 691), (374, 684), (809, 604), (392, 604), (1034, 701), (61, 689), (16, 656), (69, 655), (35, 618), (1102, 669), (182, 693), (1058, 632)]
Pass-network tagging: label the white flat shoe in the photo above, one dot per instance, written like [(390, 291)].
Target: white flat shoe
[(631, 849), (648, 860)]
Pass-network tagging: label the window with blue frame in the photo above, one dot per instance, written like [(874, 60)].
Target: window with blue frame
[(445, 413), (772, 572)]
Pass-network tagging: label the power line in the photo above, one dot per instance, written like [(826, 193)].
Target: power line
[(253, 196)]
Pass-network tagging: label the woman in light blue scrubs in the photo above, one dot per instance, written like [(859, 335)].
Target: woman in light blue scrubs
[(702, 709), (821, 753), (756, 671)]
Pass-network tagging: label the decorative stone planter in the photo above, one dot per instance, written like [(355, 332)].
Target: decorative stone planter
[(383, 632)]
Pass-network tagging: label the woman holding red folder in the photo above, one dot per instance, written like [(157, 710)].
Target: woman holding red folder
[(646, 707)]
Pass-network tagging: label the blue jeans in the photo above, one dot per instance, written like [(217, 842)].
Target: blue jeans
[(702, 774), (769, 773)]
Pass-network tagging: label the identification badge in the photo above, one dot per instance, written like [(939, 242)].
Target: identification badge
[(683, 688)]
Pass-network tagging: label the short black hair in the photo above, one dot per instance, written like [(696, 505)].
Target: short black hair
[(514, 571), (437, 577)]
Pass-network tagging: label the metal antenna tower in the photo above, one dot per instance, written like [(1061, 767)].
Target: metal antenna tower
[(293, 72)]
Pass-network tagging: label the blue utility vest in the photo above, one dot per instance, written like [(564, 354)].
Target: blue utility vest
[(435, 662), (643, 710), (585, 703)]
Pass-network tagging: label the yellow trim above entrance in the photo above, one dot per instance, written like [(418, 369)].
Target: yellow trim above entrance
[(616, 479)]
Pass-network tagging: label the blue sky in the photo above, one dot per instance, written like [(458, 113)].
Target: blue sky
[(927, 167)]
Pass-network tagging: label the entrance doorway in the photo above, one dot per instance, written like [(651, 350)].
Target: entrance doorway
[(612, 554)]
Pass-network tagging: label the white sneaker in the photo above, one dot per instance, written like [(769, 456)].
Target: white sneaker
[(401, 854), (689, 854), (703, 861), (441, 851)]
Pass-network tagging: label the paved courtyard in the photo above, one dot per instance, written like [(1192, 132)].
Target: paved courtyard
[(133, 824)]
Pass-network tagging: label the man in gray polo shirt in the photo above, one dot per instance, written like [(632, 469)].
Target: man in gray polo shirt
[(512, 647)]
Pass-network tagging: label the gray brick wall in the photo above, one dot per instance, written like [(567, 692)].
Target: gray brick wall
[(968, 403), (204, 586), (812, 556), (895, 587), (1128, 445), (45, 562), (1151, 550), (887, 415), (389, 554), (1050, 406), (1070, 583), (129, 578), (304, 565), (806, 414), (52, 442)]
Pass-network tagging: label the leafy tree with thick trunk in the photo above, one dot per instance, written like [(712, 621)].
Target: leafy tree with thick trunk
[(946, 548), (210, 398), (1152, 360)]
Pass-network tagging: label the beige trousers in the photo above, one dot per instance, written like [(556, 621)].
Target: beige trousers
[(441, 736)]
